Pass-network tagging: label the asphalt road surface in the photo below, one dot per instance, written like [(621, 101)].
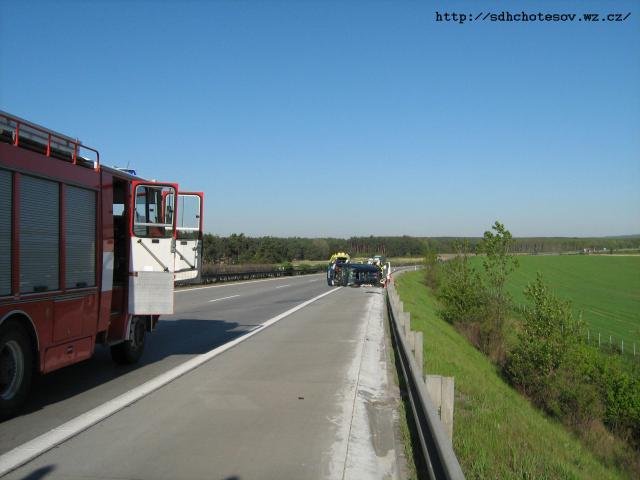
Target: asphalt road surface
[(307, 397)]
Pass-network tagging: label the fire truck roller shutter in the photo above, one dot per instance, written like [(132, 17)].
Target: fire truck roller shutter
[(80, 237), (39, 234), (5, 232)]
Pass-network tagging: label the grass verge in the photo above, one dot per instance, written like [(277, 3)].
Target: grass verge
[(497, 432)]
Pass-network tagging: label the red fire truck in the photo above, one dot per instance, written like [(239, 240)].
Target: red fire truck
[(88, 254)]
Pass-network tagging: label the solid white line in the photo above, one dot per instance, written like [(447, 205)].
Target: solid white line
[(282, 286), (183, 290), (223, 298), (39, 445)]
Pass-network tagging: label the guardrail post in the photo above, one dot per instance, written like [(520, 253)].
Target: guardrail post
[(405, 319), (418, 352), (434, 389), (446, 410), (441, 392)]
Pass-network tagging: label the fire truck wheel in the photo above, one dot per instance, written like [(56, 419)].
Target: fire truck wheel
[(16, 367), (130, 351)]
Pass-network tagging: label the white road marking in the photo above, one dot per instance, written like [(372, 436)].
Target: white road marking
[(282, 286), (28, 451), (184, 290), (223, 298)]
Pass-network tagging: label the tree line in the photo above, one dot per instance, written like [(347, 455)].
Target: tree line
[(239, 248)]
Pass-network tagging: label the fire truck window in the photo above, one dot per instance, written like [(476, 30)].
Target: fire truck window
[(5, 232), (118, 209), (39, 234), (80, 237), (153, 211), (188, 221)]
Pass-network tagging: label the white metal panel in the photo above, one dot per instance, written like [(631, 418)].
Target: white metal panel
[(5, 232), (107, 271), (151, 293), (151, 287), (80, 237), (39, 234)]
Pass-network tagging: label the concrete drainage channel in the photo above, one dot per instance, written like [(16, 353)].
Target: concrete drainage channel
[(434, 435)]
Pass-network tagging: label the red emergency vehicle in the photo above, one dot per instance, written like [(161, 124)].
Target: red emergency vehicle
[(88, 254)]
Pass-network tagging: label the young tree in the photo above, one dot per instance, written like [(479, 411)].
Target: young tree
[(549, 335), (498, 263), (461, 291)]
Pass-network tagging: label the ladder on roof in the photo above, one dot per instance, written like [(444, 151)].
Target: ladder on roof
[(25, 134)]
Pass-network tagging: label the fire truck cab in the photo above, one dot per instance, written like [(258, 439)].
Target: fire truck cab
[(88, 254)]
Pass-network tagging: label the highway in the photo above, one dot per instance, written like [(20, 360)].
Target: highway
[(307, 397)]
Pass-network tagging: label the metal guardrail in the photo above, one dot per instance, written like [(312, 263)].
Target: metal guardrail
[(215, 277), (437, 450)]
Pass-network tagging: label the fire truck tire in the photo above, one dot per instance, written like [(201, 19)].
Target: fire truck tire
[(16, 367), (130, 351)]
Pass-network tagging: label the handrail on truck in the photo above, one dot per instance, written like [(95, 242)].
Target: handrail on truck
[(50, 135)]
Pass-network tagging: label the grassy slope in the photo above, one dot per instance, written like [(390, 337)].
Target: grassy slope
[(605, 288), (497, 433)]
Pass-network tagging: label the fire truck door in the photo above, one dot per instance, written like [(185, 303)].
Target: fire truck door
[(152, 249), (188, 254)]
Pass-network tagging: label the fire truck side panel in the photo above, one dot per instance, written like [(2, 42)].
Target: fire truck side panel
[(56, 302), (68, 353), (67, 311)]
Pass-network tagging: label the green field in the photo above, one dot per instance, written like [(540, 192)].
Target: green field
[(497, 432), (605, 288)]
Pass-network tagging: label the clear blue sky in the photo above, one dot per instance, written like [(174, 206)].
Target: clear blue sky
[(346, 118)]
